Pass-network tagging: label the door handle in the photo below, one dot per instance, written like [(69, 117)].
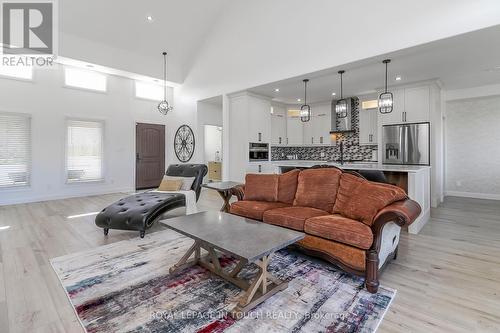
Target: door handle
[(312, 140), (137, 158), (260, 137), (320, 139), (279, 140), (260, 168), (286, 140)]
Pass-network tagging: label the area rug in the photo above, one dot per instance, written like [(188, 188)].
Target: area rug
[(126, 287)]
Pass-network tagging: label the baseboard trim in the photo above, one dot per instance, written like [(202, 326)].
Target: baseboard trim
[(489, 196), (17, 201)]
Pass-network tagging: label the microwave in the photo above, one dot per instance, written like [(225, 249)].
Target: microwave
[(258, 151)]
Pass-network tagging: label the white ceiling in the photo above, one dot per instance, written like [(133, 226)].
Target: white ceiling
[(462, 61), (179, 27)]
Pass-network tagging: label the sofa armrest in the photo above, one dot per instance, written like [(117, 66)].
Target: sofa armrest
[(238, 191), (402, 212)]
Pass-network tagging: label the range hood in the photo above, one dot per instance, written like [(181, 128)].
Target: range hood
[(342, 125)]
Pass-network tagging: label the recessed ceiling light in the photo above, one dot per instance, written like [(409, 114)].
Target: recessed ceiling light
[(149, 18), (398, 78), (298, 100), (333, 94), (277, 90)]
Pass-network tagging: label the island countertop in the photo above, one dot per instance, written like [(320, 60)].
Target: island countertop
[(352, 166)]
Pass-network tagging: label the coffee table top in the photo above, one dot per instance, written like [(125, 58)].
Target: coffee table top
[(239, 236), (221, 186)]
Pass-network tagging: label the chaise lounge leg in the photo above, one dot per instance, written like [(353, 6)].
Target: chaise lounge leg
[(106, 231), (371, 275), (142, 233), (395, 253)]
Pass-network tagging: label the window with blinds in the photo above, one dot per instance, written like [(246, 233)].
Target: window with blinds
[(15, 150), (84, 151)]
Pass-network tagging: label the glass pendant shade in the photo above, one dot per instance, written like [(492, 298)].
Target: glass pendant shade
[(385, 102), (385, 99), (163, 106), (341, 108), (305, 109), (305, 113)]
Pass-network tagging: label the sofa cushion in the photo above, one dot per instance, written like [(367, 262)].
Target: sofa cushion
[(360, 199), (287, 186), (340, 229), (261, 187), (347, 255), (292, 217), (317, 188), (253, 209)]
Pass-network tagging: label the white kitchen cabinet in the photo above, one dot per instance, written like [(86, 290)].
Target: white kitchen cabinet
[(368, 127), (308, 131), (278, 125), (322, 124), (410, 105), (264, 167), (417, 104), (294, 131), (259, 119)]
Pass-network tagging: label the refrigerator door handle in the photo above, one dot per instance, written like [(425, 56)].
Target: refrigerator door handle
[(406, 132)]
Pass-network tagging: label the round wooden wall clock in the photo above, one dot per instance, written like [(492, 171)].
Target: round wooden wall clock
[(184, 143)]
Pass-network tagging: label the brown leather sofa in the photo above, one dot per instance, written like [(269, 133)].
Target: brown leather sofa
[(348, 220)]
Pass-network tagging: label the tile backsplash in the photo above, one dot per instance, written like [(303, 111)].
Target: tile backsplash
[(352, 149)]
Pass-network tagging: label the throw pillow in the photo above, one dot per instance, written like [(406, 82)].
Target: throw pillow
[(170, 185), (361, 200), (261, 187), (187, 182), (287, 186), (317, 188)]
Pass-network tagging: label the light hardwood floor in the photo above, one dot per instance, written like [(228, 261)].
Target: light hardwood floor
[(447, 277)]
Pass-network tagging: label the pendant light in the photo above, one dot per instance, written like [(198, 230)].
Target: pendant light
[(385, 100), (305, 109), (341, 106), (163, 106)]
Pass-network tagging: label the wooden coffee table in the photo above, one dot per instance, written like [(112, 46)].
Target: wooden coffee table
[(247, 240)]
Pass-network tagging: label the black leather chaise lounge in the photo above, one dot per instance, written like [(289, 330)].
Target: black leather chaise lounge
[(140, 211)]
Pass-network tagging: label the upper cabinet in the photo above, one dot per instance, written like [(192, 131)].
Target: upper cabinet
[(321, 124), (410, 105), (278, 125), (259, 119), (368, 126), (294, 130)]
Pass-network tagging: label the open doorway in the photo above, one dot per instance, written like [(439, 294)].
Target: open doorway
[(210, 125)]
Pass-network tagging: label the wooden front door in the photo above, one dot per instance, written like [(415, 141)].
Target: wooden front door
[(149, 155)]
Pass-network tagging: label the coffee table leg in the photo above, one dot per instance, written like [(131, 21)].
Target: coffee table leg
[(184, 262), (263, 287)]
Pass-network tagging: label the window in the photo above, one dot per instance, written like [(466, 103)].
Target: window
[(84, 151), (15, 149), (17, 72), (148, 91), (82, 78)]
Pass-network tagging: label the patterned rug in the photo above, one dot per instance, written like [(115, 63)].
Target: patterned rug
[(126, 287)]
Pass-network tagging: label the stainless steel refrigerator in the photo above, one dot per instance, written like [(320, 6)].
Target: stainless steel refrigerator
[(407, 144)]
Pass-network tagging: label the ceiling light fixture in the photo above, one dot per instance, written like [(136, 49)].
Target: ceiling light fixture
[(299, 100), (341, 106), (305, 109), (385, 99), (163, 106), (149, 18), (398, 78), (277, 90), (334, 94)]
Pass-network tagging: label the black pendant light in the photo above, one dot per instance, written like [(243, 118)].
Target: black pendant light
[(385, 100), (305, 109), (163, 106), (341, 106)]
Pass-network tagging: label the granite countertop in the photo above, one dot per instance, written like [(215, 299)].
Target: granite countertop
[(353, 165)]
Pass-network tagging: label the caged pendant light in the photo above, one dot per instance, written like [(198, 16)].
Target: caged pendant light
[(305, 109), (341, 106), (163, 106), (386, 99)]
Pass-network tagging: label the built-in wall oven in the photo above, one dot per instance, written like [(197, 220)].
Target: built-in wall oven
[(258, 151)]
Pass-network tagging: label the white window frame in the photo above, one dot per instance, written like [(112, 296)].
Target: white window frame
[(29, 161), (87, 71), (66, 155), (160, 98)]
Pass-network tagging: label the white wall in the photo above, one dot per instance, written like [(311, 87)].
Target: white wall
[(472, 147), (49, 104)]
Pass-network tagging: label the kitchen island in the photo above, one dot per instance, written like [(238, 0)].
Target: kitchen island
[(415, 180)]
